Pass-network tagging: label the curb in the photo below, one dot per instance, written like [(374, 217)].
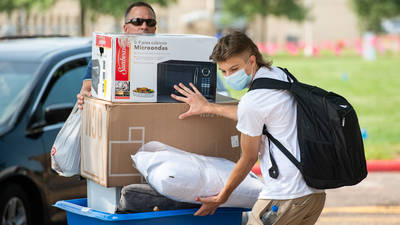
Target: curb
[(383, 165), (372, 166)]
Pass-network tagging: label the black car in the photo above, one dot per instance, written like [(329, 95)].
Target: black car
[(39, 80)]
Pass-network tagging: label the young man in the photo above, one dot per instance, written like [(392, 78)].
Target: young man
[(140, 18), (240, 62)]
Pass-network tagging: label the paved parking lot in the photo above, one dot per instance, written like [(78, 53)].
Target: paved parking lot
[(375, 201)]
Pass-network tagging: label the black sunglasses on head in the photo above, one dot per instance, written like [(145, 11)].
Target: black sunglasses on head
[(140, 21)]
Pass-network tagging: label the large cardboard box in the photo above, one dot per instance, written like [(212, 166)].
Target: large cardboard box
[(125, 66), (112, 132)]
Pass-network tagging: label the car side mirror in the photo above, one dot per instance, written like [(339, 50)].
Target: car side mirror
[(58, 112)]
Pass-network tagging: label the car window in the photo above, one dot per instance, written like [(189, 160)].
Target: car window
[(15, 79), (65, 83)]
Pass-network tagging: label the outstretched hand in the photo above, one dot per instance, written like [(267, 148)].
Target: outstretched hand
[(197, 102)]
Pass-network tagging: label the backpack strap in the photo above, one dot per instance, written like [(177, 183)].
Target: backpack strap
[(268, 83), (282, 149), (289, 74), (273, 171)]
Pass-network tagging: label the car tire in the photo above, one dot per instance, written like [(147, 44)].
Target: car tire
[(14, 205)]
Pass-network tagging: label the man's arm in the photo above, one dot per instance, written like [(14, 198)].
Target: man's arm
[(228, 111), (199, 104), (85, 92), (250, 147)]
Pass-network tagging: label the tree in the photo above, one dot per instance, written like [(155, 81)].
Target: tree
[(9, 6), (291, 9), (93, 8), (88, 8), (372, 12)]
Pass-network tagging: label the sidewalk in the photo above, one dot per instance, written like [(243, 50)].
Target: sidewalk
[(372, 166)]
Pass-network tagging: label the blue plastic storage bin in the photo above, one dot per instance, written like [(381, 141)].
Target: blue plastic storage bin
[(78, 213)]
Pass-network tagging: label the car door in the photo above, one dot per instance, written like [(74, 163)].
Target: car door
[(57, 99)]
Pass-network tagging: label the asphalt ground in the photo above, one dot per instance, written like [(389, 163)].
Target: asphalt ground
[(374, 201)]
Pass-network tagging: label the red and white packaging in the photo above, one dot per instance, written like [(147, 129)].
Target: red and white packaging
[(124, 66)]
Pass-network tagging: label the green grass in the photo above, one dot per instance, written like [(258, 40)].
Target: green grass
[(373, 88)]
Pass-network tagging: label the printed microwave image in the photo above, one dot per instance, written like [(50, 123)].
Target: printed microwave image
[(143, 92), (202, 74)]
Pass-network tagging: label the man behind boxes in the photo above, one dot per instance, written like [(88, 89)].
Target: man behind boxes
[(140, 18), (241, 62)]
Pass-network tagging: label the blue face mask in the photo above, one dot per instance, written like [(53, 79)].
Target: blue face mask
[(239, 80)]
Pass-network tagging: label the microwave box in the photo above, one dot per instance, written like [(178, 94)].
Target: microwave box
[(125, 67), (112, 132)]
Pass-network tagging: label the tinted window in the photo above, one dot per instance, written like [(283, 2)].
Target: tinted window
[(65, 83), (15, 80)]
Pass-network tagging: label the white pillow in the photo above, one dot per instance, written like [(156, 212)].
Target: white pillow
[(182, 176)]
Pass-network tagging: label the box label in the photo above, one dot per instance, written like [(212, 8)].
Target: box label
[(122, 78), (103, 41), (122, 60), (235, 141)]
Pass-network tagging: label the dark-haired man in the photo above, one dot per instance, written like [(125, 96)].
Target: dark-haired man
[(140, 18)]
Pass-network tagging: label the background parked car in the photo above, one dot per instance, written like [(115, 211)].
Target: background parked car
[(39, 80)]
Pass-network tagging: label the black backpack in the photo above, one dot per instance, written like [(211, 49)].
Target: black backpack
[(331, 146)]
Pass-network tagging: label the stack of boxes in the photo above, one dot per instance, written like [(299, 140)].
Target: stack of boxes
[(132, 78)]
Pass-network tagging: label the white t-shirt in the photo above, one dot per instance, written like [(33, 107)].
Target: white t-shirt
[(277, 110)]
